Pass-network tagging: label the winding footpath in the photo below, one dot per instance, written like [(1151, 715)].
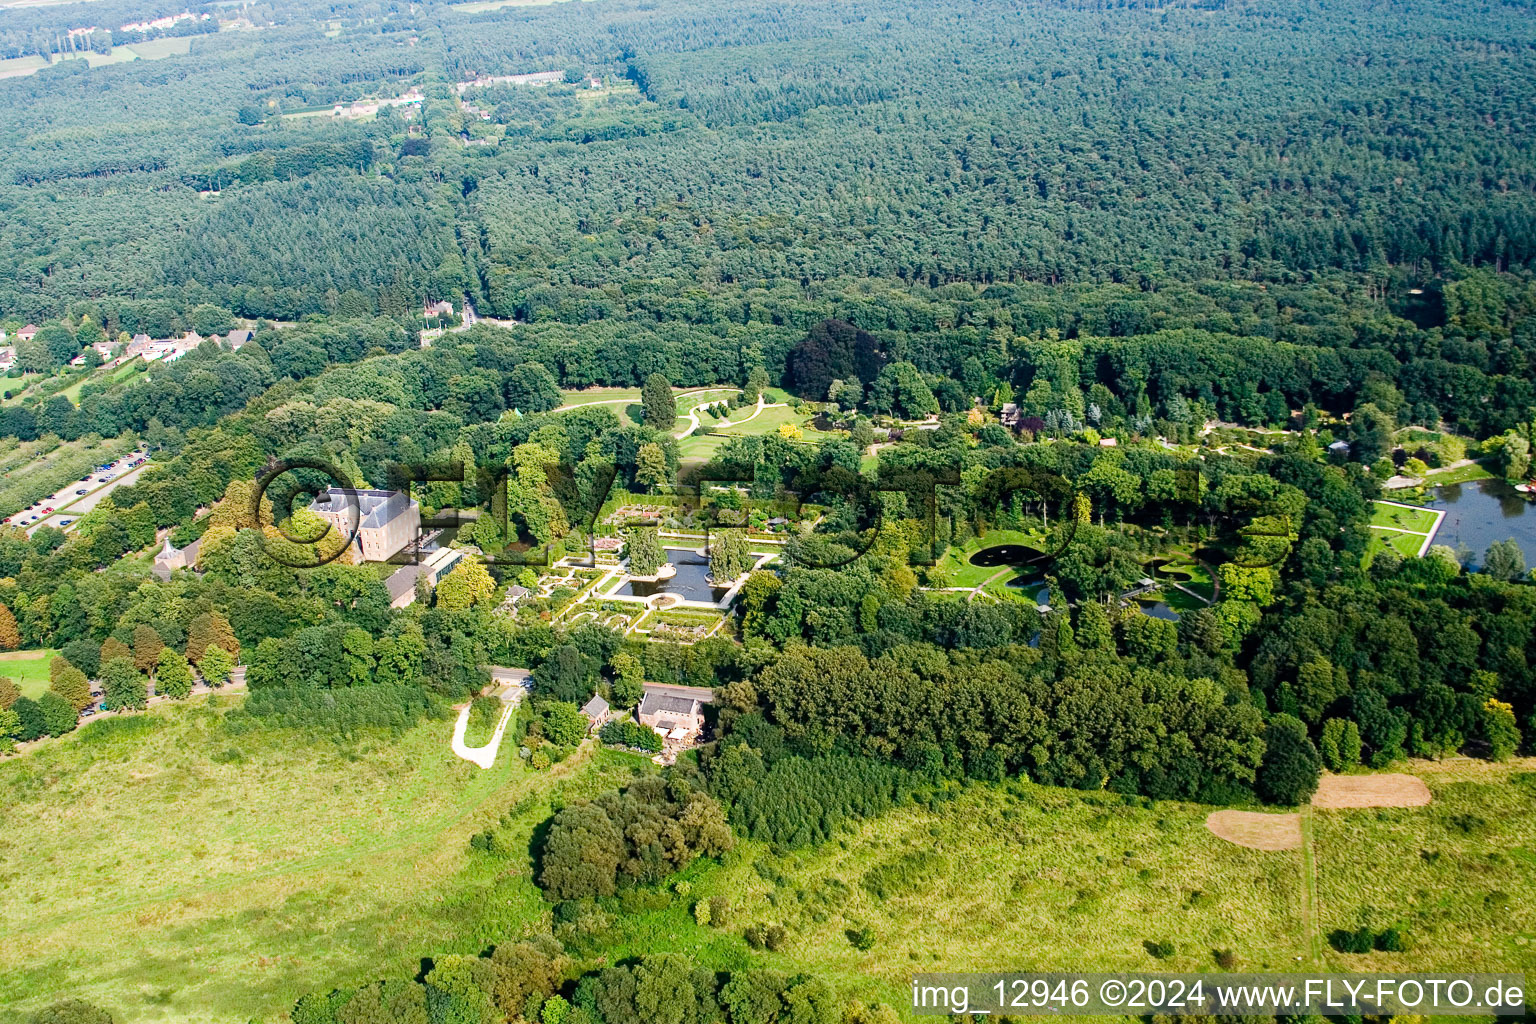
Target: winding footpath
[(693, 416), (484, 756)]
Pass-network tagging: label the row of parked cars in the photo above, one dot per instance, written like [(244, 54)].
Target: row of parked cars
[(101, 475)]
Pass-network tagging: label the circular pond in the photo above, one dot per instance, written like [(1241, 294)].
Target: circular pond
[(999, 555)]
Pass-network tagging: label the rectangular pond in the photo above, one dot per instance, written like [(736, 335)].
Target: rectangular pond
[(690, 583), (1479, 513)]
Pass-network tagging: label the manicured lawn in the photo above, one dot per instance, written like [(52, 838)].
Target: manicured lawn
[(700, 445), (1405, 544), (956, 562), (17, 386), (625, 402), (1414, 520), (207, 876), (28, 669), (1404, 529)]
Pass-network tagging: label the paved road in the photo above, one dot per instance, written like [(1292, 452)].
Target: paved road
[(68, 505)]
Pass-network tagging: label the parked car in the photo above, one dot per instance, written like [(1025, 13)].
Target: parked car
[(65, 522), (81, 491), (87, 713), (48, 509)]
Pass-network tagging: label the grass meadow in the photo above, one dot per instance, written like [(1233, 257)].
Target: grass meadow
[(172, 871), (169, 870)]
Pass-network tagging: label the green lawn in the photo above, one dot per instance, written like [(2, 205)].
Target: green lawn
[(625, 402), (1414, 520), (28, 669), (1405, 530), (206, 877), (700, 445), (1459, 475), (1405, 544), (956, 561)]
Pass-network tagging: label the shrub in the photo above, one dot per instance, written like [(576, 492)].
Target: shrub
[(719, 911), (862, 939), (1225, 958), (1162, 949), (630, 734), (701, 913), (1360, 940)]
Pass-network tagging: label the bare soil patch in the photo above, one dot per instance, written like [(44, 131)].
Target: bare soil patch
[(1257, 830), (1342, 792)]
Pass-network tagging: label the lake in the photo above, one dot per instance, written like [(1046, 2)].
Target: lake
[(1479, 513)]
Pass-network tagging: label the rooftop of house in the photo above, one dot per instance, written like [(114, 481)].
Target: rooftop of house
[(595, 708), (660, 703), (373, 508), (403, 580)]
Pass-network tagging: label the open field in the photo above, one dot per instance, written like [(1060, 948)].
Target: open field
[(19, 67), (1017, 875), (1458, 877), (1393, 789), (1028, 875), (1257, 830), (152, 49), (205, 876), (28, 669)]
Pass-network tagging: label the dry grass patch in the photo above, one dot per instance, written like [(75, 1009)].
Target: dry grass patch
[(1257, 830), (1343, 792)]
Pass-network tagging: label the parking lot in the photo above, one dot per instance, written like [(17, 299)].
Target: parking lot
[(64, 507)]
